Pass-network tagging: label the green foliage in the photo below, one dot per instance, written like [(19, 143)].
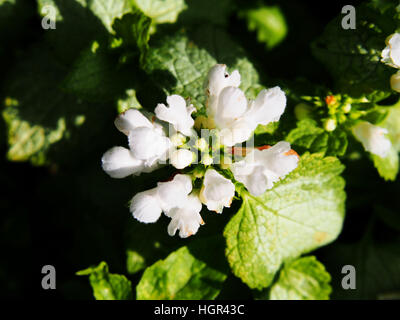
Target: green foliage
[(302, 279), (161, 11), (352, 57), (192, 272), (269, 22), (301, 213), (307, 135), (106, 285)]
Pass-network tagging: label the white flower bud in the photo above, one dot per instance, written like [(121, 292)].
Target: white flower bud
[(181, 158), (217, 191), (372, 138)]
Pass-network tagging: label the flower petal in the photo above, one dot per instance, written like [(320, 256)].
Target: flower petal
[(131, 119), (217, 191), (373, 138), (181, 158), (118, 162), (173, 194), (268, 106), (177, 114), (145, 206)]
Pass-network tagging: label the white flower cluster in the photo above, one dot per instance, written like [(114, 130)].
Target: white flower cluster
[(234, 118)]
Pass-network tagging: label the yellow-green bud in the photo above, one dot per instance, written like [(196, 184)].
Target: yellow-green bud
[(178, 139), (201, 144), (347, 108), (207, 159)]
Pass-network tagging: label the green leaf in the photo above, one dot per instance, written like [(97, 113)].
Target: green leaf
[(269, 22), (107, 286), (180, 66), (96, 75), (301, 213), (161, 11), (309, 136), (193, 272), (44, 123), (352, 57), (133, 29), (302, 279)]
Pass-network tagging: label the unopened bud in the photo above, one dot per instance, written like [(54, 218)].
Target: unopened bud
[(330, 125), (207, 160)]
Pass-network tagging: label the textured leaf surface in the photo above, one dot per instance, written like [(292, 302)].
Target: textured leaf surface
[(309, 136), (301, 213), (106, 285), (353, 56), (181, 65), (302, 279), (191, 272), (161, 11)]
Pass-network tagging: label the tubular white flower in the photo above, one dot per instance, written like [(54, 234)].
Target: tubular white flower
[(217, 191), (149, 144), (218, 79), (391, 53), (186, 219), (260, 169), (177, 114), (372, 138), (181, 158), (131, 119), (237, 118), (268, 106), (145, 206), (173, 194), (118, 162)]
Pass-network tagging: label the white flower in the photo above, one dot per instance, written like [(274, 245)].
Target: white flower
[(118, 162), (395, 81), (217, 191), (238, 118), (173, 194), (147, 206), (373, 138), (149, 144), (260, 169), (177, 114), (217, 79), (181, 158), (186, 219), (131, 119), (391, 53)]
